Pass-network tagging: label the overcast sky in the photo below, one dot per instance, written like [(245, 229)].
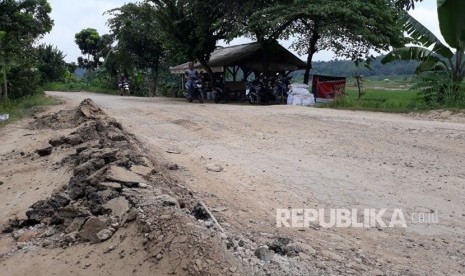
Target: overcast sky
[(71, 16)]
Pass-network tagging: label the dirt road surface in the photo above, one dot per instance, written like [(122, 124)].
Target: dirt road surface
[(246, 162)]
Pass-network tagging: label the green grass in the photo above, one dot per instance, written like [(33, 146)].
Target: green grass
[(391, 94), (387, 83), (399, 101), (77, 87), (23, 107)]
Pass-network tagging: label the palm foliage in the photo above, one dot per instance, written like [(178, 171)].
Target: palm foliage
[(431, 52)]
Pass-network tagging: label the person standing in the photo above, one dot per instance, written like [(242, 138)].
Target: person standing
[(191, 75)]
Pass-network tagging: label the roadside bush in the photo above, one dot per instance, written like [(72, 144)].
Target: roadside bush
[(168, 90), (23, 81), (437, 90), (18, 108)]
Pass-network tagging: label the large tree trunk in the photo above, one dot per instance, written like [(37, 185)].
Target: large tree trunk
[(264, 45), (209, 70), (308, 68), (155, 78), (151, 91), (4, 94), (312, 49), (266, 56), (266, 59)]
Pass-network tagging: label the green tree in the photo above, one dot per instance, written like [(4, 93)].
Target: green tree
[(253, 19), (21, 23), (24, 76), (351, 29), (90, 44), (71, 67), (192, 28), (137, 33), (431, 52), (51, 64)]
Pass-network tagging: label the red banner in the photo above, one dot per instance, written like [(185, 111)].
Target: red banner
[(328, 87)]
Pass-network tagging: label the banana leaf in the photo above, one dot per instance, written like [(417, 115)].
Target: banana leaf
[(408, 53), (451, 14), (425, 37), (431, 64)]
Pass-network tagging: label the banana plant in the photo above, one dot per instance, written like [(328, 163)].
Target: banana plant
[(431, 52)]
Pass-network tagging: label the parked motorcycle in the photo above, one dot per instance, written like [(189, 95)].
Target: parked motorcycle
[(219, 92), (259, 91), (281, 89), (197, 93), (251, 91)]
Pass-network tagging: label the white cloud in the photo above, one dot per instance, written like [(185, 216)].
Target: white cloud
[(72, 16)]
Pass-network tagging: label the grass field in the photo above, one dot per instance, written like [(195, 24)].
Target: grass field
[(393, 94), (400, 101), (77, 87), (23, 107)]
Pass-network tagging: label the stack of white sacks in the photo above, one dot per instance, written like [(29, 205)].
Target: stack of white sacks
[(299, 94)]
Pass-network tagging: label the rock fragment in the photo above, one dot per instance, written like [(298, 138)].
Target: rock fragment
[(160, 201), (44, 152), (123, 176), (118, 206), (264, 254), (57, 141), (214, 168), (104, 235), (91, 228)]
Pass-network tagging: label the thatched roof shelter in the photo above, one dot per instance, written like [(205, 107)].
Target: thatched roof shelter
[(249, 57)]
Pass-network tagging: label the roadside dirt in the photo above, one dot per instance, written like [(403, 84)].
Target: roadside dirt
[(245, 162)]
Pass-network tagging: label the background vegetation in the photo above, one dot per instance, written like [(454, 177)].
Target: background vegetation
[(147, 37), (25, 106)]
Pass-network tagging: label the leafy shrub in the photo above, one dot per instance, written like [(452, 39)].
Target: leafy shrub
[(437, 90)]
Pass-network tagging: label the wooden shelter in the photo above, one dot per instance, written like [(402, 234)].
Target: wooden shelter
[(238, 62)]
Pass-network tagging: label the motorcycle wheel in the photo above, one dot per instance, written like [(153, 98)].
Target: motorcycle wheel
[(281, 98), (217, 99), (252, 99), (200, 97), (261, 99), (217, 96)]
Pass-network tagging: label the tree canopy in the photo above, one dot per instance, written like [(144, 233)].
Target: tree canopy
[(351, 29), (51, 64), (137, 33), (90, 44), (21, 23), (192, 27)]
